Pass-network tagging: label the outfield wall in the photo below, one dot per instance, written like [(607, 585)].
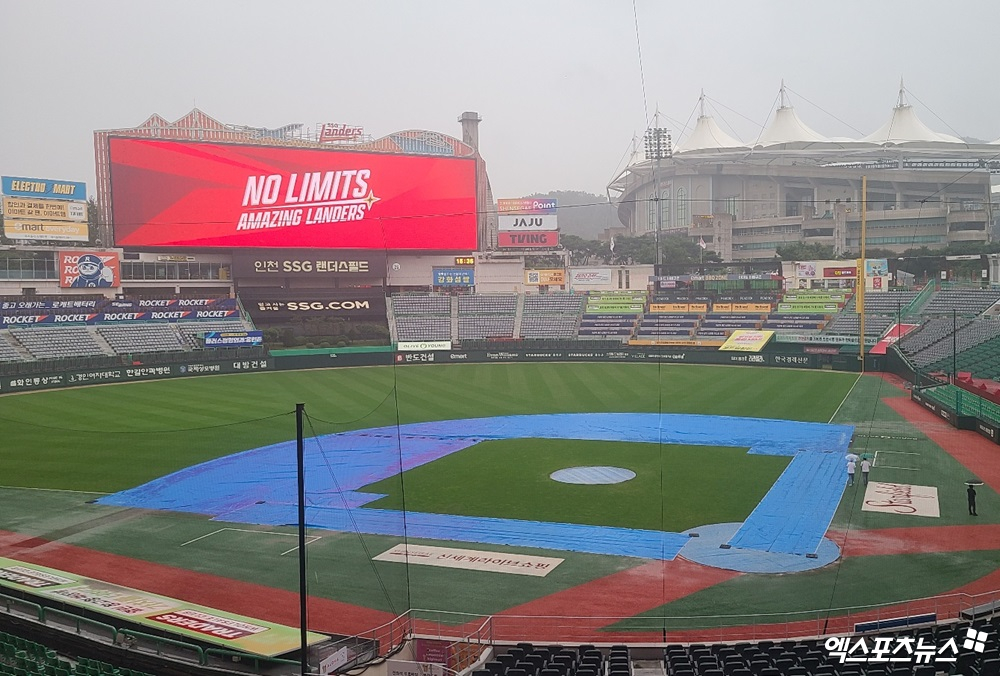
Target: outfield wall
[(124, 374), (288, 360)]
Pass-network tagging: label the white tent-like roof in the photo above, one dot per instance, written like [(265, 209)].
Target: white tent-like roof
[(707, 136), (786, 129), (905, 127)]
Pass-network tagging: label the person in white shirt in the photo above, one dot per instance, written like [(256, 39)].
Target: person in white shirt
[(866, 466), (850, 472)]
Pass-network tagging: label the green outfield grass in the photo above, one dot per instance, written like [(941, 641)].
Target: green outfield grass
[(675, 487), (107, 438)]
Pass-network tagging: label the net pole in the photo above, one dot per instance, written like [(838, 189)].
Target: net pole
[(300, 472)]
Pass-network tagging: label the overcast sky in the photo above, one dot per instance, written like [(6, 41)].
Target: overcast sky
[(558, 84)]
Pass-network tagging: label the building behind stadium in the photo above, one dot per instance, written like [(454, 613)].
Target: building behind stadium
[(792, 184)]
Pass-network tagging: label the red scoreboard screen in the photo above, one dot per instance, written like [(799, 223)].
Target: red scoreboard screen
[(191, 194)]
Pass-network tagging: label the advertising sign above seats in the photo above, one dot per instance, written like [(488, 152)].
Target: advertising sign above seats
[(89, 269), (180, 193), (266, 304), (265, 264)]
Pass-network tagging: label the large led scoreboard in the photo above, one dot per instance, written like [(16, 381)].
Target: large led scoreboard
[(178, 194)]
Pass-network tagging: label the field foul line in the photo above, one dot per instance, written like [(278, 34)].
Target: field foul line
[(900, 452), (908, 469), (309, 540), (846, 396), (54, 490)]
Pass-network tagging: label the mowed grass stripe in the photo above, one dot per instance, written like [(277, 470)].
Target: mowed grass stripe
[(137, 431)]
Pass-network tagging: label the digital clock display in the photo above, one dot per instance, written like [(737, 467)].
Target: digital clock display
[(465, 260)]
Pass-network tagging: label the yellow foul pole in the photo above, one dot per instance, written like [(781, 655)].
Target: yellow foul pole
[(859, 298)]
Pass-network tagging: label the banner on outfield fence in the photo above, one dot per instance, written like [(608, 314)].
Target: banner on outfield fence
[(744, 340), (153, 611), (62, 231), (233, 338), (423, 345)]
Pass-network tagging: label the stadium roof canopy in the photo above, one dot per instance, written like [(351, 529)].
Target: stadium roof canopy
[(905, 127)]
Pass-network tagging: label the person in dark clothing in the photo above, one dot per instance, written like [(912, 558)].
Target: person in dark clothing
[(972, 500)]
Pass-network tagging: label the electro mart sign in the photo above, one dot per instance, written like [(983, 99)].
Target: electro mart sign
[(177, 194)]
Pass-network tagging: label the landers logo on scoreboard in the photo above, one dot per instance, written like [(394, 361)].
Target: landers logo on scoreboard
[(312, 198)]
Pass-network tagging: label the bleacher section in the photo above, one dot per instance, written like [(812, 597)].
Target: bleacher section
[(934, 344), (129, 339), (611, 314), (891, 303), (57, 342), (486, 316), (849, 324), (421, 317), (551, 316), (8, 352), (981, 360), (85, 329), (962, 301)]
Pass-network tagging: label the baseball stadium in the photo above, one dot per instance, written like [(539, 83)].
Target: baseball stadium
[(307, 401)]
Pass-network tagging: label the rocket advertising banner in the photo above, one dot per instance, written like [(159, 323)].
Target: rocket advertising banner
[(177, 194)]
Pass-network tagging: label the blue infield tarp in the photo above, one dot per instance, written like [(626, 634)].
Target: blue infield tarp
[(259, 486)]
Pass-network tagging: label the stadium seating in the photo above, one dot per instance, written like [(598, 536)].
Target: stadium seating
[(414, 304), (551, 316), (8, 352), (486, 316), (421, 317), (133, 338), (962, 301), (191, 332), (849, 324), (940, 349), (940, 338), (22, 657), (55, 342)]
